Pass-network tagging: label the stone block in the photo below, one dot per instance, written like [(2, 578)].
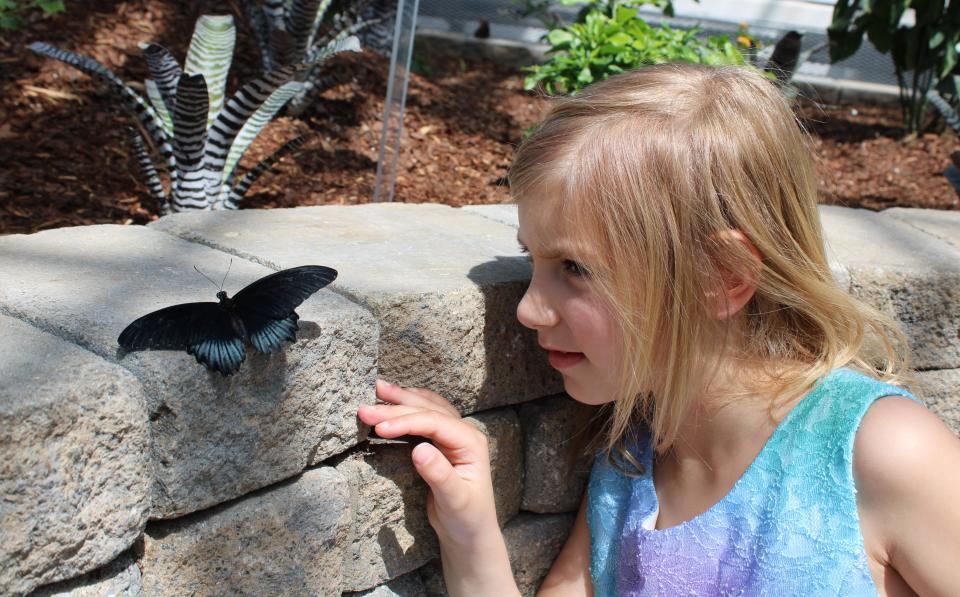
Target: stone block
[(443, 282), (940, 391), (505, 442), (74, 479), (408, 585), (390, 534), (556, 464), (505, 213), (213, 438), (908, 274), (119, 578), (533, 543), (941, 224), (287, 539)]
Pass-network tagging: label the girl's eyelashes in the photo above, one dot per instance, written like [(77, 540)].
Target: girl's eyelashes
[(575, 269)]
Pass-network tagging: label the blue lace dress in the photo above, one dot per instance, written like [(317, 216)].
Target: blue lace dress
[(789, 525)]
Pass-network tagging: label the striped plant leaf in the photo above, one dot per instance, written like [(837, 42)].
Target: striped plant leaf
[(190, 139), (132, 101), (315, 27), (156, 100), (165, 71), (255, 124), (321, 53), (238, 109), (210, 54), (298, 21), (273, 10), (235, 194), (147, 169), (261, 31)]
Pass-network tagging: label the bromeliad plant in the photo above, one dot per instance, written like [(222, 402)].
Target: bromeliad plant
[(950, 116), (606, 44), (199, 134), (301, 31)]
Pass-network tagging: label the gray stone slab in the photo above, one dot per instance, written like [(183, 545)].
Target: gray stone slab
[(905, 273), (505, 213), (408, 585), (213, 438), (443, 282), (119, 578), (288, 539), (944, 225), (390, 533), (940, 391), (556, 464), (533, 543), (74, 478), (505, 443)]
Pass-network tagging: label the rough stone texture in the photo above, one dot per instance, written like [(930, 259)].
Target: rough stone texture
[(940, 391), (505, 213), (389, 534), (74, 480), (288, 539), (556, 464), (408, 585), (443, 282), (905, 273), (213, 438), (505, 442), (119, 578), (533, 542), (943, 225)]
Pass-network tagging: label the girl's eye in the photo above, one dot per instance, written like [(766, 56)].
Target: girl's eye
[(575, 269)]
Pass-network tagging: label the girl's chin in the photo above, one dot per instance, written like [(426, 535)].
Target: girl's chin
[(585, 395)]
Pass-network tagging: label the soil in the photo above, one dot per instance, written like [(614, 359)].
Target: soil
[(67, 160)]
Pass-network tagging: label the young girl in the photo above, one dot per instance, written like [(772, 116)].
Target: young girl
[(679, 276)]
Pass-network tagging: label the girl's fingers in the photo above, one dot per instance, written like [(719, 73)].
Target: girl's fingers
[(395, 394), (372, 414), (448, 487), (448, 433)]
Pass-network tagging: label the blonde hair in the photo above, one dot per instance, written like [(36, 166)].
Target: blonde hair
[(652, 169)]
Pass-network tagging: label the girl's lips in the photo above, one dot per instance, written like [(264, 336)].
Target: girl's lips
[(563, 360)]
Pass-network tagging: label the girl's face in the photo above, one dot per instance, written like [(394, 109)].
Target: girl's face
[(573, 324)]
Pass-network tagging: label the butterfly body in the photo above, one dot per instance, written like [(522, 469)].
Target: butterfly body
[(261, 314)]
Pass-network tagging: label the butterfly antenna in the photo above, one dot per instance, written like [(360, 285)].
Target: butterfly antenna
[(226, 274), (206, 276)]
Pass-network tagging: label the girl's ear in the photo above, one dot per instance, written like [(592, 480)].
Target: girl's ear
[(737, 286)]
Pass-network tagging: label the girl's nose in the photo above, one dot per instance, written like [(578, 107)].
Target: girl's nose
[(534, 310)]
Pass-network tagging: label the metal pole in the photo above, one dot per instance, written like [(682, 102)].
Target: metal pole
[(396, 99)]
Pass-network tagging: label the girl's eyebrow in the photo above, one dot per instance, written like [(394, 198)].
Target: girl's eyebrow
[(548, 252)]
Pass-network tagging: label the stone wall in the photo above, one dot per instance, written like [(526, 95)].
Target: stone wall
[(144, 474)]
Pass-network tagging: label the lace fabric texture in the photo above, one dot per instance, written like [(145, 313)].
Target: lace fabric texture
[(789, 525)]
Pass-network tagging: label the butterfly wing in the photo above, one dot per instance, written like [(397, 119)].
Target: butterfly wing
[(173, 328), (204, 330), (267, 305), (278, 294)]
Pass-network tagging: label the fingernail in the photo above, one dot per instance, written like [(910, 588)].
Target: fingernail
[(384, 383), (422, 454)]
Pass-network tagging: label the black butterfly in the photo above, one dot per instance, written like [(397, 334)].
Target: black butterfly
[(215, 333)]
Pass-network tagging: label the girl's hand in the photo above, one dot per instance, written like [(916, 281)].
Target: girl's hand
[(456, 465)]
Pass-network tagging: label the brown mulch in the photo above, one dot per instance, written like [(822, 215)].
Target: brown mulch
[(66, 158)]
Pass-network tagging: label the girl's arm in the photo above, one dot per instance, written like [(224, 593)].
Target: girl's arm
[(460, 506), (570, 574), (907, 468)]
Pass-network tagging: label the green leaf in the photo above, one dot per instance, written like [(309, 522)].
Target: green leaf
[(210, 54), (559, 37)]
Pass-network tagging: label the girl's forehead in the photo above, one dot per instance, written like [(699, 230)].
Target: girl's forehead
[(545, 229)]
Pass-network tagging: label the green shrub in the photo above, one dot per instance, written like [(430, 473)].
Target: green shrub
[(606, 44), (924, 54), (10, 10)]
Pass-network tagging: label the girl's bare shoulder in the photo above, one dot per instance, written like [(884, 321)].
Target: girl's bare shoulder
[(906, 465)]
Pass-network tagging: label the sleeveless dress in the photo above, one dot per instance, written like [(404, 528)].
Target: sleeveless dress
[(789, 525)]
